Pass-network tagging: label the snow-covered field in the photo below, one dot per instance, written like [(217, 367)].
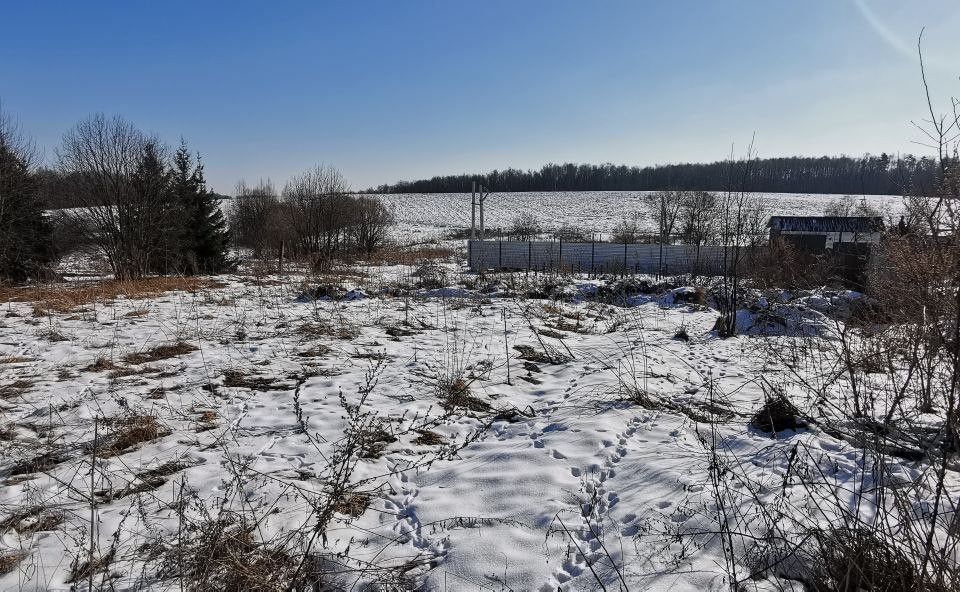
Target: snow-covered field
[(198, 432), (425, 215)]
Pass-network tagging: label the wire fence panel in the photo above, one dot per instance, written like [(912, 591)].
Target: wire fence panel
[(595, 257)]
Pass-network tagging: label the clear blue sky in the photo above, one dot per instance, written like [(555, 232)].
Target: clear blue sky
[(389, 90)]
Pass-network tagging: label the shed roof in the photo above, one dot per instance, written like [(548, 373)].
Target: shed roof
[(826, 223)]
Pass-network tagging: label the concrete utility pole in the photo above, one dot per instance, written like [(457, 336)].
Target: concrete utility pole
[(483, 198), (473, 210)]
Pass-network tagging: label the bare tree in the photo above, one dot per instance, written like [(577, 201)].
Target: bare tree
[(370, 223), (664, 208), (698, 219), (112, 168), (741, 226), (317, 208), (628, 229), (255, 218)]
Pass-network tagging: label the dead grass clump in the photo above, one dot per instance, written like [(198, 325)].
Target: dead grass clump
[(324, 329), (101, 364), (373, 439), (540, 356), (16, 360), (36, 464), (428, 438), (776, 415), (132, 371), (132, 431), (62, 298), (224, 554), (553, 334), (146, 481), (161, 352), (9, 560), (857, 559), (81, 570), (15, 389), (317, 351), (455, 393), (31, 520), (397, 331), (352, 504), (239, 379)]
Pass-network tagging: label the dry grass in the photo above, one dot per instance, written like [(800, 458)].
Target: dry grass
[(146, 481), (324, 329), (15, 389), (61, 298), (16, 360), (36, 464), (131, 432), (317, 351), (101, 364), (777, 414), (224, 554), (31, 520), (373, 439), (239, 379), (539, 356), (352, 504), (455, 392), (9, 560), (161, 352), (81, 570), (428, 438)]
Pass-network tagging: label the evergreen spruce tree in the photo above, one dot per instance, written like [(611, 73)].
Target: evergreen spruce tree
[(25, 234), (150, 217), (204, 237)]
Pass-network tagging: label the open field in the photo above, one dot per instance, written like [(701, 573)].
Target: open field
[(404, 427), (427, 215)]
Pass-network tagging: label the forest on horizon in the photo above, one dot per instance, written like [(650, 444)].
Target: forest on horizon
[(867, 175)]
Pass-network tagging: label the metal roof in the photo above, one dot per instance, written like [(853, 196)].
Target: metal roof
[(826, 223)]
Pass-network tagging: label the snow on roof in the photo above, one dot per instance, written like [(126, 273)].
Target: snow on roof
[(826, 223)]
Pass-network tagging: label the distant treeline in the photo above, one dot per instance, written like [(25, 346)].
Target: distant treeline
[(872, 175)]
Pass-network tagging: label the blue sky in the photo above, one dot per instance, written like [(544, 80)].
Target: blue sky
[(389, 90)]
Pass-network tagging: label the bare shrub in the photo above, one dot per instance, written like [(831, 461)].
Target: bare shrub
[(256, 220), (777, 414), (525, 227), (628, 229)]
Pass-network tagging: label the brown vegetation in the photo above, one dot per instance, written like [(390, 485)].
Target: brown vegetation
[(60, 298)]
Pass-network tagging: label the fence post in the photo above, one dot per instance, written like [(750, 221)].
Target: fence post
[(624, 258), (560, 257), (529, 255), (593, 245), (500, 257)]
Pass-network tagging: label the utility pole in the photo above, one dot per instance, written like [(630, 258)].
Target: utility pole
[(483, 198), (473, 210)]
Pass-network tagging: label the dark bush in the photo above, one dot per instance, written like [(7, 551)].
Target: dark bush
[(777, 414)]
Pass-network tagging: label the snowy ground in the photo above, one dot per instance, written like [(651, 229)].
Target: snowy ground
[(587, 470), (426, 215)]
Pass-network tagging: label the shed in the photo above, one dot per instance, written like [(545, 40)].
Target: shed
[(818, 233)]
